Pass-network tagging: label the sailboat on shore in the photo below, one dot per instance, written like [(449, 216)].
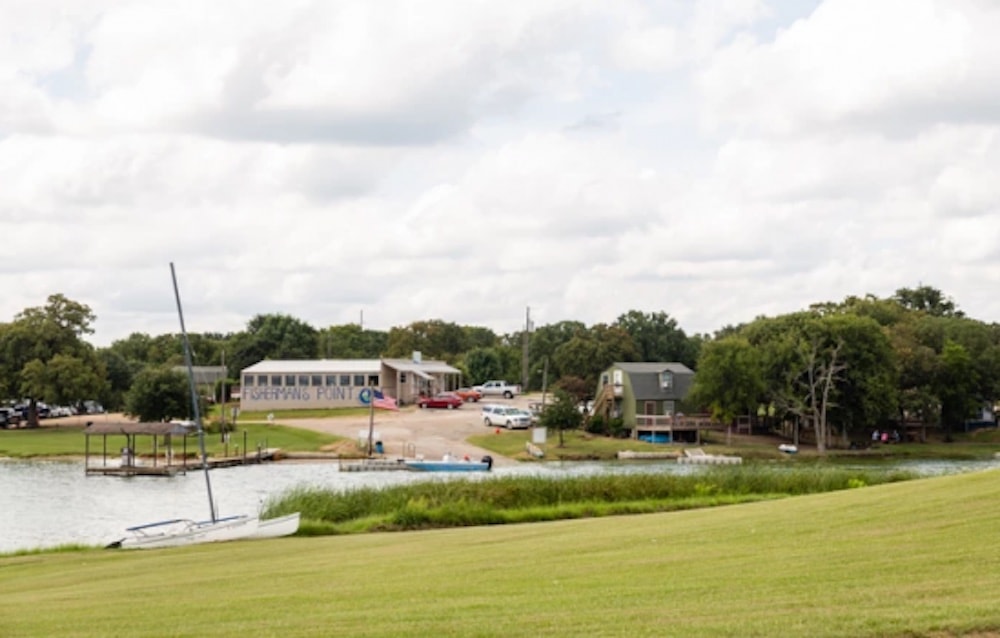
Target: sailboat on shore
[(179, 532)]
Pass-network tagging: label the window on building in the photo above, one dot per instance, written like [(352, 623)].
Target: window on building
[(261, 379), (317, 380), (248, 380), (289, 380), (345, 380), (373, 380), (666, 379), (304, 380), (331, 380), (359, 380), (276, 380), (402, 377)]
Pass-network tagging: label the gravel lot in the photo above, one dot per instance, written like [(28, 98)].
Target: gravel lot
[(431, 432)]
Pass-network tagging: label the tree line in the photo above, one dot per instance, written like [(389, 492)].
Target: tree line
[(835, 367)]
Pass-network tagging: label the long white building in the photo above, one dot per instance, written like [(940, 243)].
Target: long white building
[(338, 383)]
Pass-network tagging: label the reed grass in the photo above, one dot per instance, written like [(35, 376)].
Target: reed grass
[(519, 499)]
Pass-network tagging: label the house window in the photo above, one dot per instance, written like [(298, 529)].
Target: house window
[(666, 379), (373, 380), (345, 380), (402, 377), (248, 380), (359, 380), (276, 380), (304, 380), (331, 379), (605, 379), (262, 379), (289, 380), (317, 380)]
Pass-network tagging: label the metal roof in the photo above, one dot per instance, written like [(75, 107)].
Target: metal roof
[(645, 379), (359, 366), (647, 366), (316, 366), (406, 365), (130, 427), (203, 375)]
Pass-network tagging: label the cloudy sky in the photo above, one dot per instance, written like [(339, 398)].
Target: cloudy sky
[(463, 159)]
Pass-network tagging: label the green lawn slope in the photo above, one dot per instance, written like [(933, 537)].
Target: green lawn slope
[(917, 558)]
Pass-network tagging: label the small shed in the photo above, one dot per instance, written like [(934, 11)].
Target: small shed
[(158, 461)]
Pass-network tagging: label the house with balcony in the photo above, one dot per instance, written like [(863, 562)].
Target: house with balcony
[(647, 397)]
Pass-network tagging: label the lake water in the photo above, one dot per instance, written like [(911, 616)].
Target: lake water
[(50, 503)]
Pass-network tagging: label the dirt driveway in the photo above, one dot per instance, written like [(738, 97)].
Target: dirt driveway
[(430, 433)]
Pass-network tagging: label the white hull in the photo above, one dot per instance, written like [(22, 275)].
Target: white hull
[(275, 527), (177, 533)]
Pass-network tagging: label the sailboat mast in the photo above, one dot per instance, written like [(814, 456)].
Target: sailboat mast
[(194, 395)]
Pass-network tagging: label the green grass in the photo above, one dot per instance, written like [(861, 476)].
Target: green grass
[(915, 558), (70, 441)]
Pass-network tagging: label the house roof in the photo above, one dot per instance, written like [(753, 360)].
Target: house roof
[(653, 366), (405, 365), (317, 366), (645, 379), (359, 366), (204, 375), (129, 427)]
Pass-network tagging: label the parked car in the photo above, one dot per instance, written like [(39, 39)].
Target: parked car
[(505, 416), (469, 394), (448, 400), (498, 389), (9, 417), (532, 419)]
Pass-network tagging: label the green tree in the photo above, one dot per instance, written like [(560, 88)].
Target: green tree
[(730, 379), (657, 337), (159, 394), (955, 382), (590, 352), (434, 339), (41, 346), (274, 336), (351, 341), (927, 299), (562, 414), (483, 364)]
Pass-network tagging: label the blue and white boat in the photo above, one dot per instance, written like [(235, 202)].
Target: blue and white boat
[(450, 464)]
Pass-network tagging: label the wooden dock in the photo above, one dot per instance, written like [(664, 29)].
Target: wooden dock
[(143, 466)]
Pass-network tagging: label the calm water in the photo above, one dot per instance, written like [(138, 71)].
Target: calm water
[(44, 504)]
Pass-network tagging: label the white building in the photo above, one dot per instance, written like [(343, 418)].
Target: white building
[(338, 383)]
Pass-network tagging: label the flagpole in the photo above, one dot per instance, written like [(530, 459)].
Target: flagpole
[(371, 418)]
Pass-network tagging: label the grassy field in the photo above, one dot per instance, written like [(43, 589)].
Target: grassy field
[(916, 558), (70, 441)]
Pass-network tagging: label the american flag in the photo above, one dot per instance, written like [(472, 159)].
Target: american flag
[(380, 400)]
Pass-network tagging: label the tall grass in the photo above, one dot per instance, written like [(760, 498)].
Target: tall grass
[(460, 503)]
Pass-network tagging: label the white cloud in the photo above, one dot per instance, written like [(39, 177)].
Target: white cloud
[(462, 160)]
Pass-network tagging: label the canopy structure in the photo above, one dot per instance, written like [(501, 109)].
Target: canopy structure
[(153, 463)]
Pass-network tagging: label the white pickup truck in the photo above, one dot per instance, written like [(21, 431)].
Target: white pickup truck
[(498, 389)]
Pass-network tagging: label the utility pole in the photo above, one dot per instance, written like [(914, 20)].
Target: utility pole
[(524, 353)]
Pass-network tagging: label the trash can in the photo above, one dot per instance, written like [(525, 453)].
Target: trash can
[(378, 448)]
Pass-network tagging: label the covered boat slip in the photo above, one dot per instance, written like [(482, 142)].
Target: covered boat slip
[(159, 460), (151, 449)]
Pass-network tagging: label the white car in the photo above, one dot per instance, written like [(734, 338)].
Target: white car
[(505, 416)]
